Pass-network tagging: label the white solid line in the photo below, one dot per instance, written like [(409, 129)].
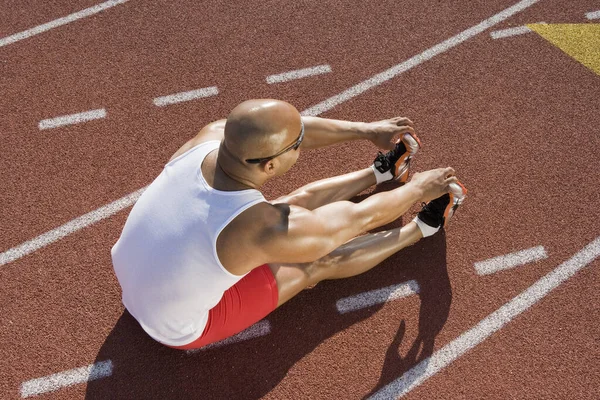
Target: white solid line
[(378, 296), (54, 382), (60, 21), (396, 70), (72, 119), (510, 260), (186, 96), (299, 73), (70, 227), (376, 80), (492, 323), (593, 15), (259, 329)]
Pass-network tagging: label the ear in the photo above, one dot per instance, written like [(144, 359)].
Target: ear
[(270, 167)]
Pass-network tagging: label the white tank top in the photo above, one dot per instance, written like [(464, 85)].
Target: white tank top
[(166, 258)]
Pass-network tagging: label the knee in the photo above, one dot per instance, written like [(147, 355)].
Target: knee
[(323, 268)]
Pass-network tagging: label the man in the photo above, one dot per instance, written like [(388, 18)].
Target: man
[(203, 255)]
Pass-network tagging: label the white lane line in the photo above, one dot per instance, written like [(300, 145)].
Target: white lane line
[(60, 21), (376, 80), (593, 15), (259, 329), (378, 296), (510, 260), (70, 227), (518, 30), (428, 54), (299, 73), (54, 382), (186, 96), (72, 119), (492, 323)]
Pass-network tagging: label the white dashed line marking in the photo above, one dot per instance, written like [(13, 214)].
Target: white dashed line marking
[(259, 329), (378, 296), (60, 21), (186, 96), (346, 95), (54, 382), (593, 15), (72, 119), (297, 74), (72, 226), (428, 54), (489, 325), (510, 260), (518, 30)]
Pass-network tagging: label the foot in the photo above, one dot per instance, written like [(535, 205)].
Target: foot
[(396, 162), (438, 212)]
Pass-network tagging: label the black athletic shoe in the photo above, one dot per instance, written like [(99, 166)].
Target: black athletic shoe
[(398, 160), (438, 212)]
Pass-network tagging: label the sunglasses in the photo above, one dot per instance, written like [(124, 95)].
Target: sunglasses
[(293, 146)]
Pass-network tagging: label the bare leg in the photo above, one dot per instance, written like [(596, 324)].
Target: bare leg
[(352, 258)]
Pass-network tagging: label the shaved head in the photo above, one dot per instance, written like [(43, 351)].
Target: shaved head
[(260, 128)]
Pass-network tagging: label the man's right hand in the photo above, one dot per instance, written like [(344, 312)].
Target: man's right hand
[(434, 183)]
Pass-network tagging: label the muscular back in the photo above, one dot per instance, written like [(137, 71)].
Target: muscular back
[(238, 245)]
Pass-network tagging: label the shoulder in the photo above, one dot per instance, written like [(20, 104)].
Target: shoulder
[(263, 218), (248, 239), (213, 131), (239, 245), (278, 222)]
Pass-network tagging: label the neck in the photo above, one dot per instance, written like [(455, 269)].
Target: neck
[(237, 175)]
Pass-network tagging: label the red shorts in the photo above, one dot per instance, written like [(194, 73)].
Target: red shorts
[(242, 305)]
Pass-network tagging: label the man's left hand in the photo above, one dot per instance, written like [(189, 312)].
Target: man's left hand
[(382, 133)]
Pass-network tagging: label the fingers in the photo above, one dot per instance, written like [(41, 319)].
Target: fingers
[(405, 129), (449, 177), (390, 142), (402, 121), (452, 179), (449, 171)]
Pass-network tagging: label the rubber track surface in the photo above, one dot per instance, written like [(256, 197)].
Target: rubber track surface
[(516, 117)]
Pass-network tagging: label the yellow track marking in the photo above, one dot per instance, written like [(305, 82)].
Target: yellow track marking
[(580, 41)]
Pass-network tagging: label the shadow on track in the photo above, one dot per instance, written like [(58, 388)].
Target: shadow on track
[(144, 369), (436, 297)]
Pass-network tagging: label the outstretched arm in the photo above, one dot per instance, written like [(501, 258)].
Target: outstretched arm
[(321, 132), (302, 235), (329, 190)]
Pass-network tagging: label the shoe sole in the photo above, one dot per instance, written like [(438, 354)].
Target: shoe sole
[(457, 195), (402, 165)]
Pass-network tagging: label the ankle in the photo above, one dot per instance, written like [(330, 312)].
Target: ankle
[(425, 229), (381, 177)]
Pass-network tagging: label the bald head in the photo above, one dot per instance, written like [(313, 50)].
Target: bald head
[(260, 128)]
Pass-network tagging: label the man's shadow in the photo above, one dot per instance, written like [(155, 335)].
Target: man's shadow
[(435, 293), (144, 369)]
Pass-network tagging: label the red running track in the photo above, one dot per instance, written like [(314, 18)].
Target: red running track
[(516, 117)]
